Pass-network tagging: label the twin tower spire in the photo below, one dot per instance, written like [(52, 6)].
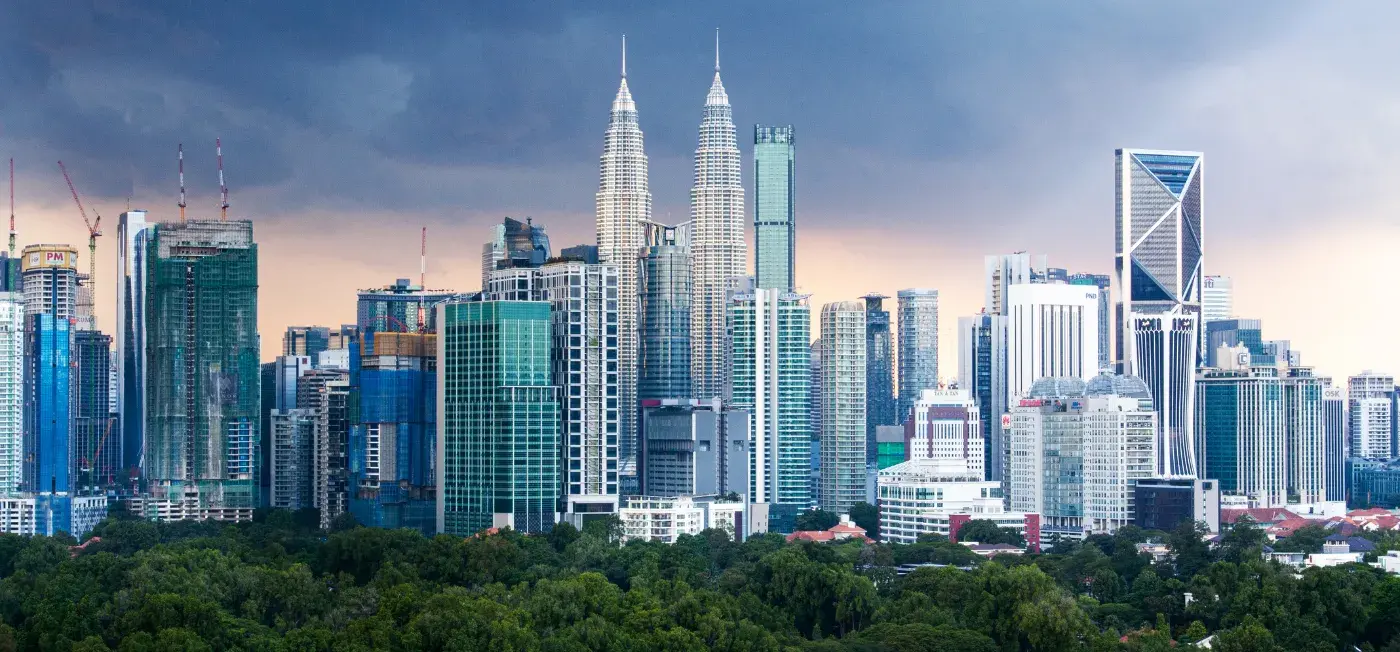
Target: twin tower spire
[(717, 247)]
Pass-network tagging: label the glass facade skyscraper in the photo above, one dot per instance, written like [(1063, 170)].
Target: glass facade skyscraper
[(982, 372), (918, 346), (514, 243), (879, 370), (664, 317), (202, 424), (499, 446), (131, 337), (96, 463), (843, 441), (775, 207), (1159, 244), (1102, 282), (770, 372)]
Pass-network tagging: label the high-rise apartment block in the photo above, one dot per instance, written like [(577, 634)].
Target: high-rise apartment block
[(774, 208), (917, 318), (664, 313), (1159, 248), (202, 383), (843, 444), (1371, 403), (879, 370), (1053, 332), (498, 449), (769, 376), (1120, 449), (584, 353), (717, 249), (622, 205), (12, 362)]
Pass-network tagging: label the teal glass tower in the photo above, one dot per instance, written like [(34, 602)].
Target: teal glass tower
[(498, 441), (775, 217)]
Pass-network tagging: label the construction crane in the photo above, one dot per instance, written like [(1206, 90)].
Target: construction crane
[(422, 281), (87, 462), (223, 189), (94, 230), (182, 182), (12, 208)]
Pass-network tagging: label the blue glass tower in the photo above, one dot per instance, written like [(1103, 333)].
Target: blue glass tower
[(774, 208), (47, 382)]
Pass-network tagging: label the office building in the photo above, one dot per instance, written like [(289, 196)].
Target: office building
[(513, 243), (48, 383), (717, 249), (918, 346), (583, 365), (583, 253), (1163, 503), (131, 339), (775, 208), (691, 447), (1373, 483), (663, 324), (308, 341), (202, 406), (879, 370), (498, 449), (401, 307), (1120, 449), (1052, 332), (96, 454), (1371, 404), (946, 425), (1262, 431), (665, 518), (1159, 246), (769, 375), (1217, 298), (1334, 455), (1105, 320), (12, 393), (393, 479), (1003, 271), (293, 459), (278, 387), (890, 447), (843, 442), (982, 372), (938, 496), (623, 204)]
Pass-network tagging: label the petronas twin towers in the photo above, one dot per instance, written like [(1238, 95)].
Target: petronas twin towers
[(718, 251)]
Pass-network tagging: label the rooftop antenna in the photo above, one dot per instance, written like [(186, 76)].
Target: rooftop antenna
[(12, 208), (223, 189), (716, 49), (422, 281), (624, 56), (182, 182)]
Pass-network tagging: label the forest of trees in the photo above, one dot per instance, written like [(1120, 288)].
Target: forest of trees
[(278, 583)]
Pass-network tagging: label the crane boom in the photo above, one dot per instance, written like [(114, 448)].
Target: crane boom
[(94, 230)]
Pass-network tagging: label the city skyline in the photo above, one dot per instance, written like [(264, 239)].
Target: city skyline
[(935, 179)]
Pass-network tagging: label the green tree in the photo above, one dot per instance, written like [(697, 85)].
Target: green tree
[(1308, 538), (1242, 541), (985, 531), (1190, 552), (1249, 636), (816, 520), (867, 516)]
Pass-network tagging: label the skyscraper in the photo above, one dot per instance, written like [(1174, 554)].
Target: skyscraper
[(1217, 298), (48, 383), (96, 455), (400, 307), (1053, 333), (131, 338), (12, 363), (498, 448), (918, 347), (1334, 417), (843, 449), (1120, 449), (1045, 473), (1004, 271), (583, 354), (879, 370), (1159, 246), (982, 368), (1371, 402), (1103, 282), (774, 207), (623, 204), (717, 247), (664, 315), (309, 341), (202, 384), (769, 376), (513, 242)]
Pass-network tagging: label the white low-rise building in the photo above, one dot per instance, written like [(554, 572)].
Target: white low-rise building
[(936, 496), (666, 518), (33, 514), (1389, 563)]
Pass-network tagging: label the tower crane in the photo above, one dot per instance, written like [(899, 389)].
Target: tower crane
[(94, 230), (12, 208)]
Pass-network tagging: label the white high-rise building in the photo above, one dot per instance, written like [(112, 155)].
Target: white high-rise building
[(1217, 298), (1159, 251), (1370, 399), (843, 477), (945, 425), (718, 251), (1120, 448), (1054, 331), (623, 203), (11, 391), (918, 346)]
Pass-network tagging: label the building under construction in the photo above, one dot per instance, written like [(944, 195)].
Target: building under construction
[(393, 441), (202, 381)]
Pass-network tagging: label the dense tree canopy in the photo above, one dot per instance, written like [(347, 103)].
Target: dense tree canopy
[(984, 531), (280, 584)]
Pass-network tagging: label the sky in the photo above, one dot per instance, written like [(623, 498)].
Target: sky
[(929, 134)]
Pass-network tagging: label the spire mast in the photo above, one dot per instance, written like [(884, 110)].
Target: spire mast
[(12, 208), (624, 56), (181, 151), (716, 49)]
